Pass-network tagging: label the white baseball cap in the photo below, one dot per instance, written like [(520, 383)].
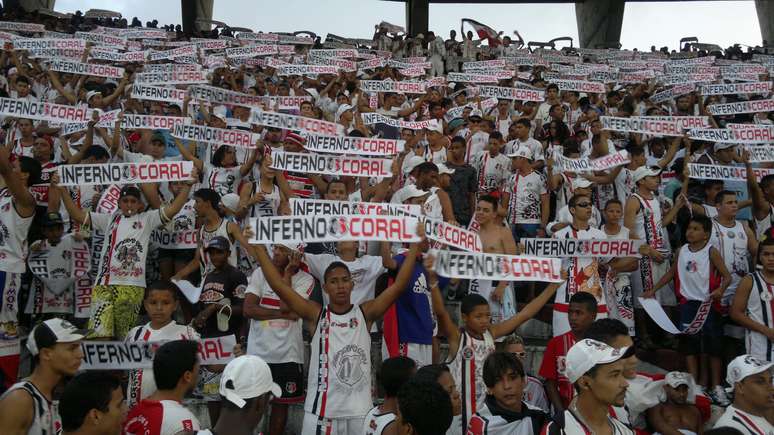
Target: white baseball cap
[(521, 151), (744, 366), (412, 163), (443, 169), (293, 247), (246, 377), (644, 171), (434, 125), (230, 200), (340, 111), (587, 353), (580, 183), (51, 332), (412, 191), (91, 94), (475, 113), (675, 379), (723, 145)]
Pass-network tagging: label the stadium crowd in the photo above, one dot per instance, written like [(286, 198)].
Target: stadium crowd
[(205, 200)]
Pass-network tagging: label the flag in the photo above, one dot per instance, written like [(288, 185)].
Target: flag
[(483, 31)]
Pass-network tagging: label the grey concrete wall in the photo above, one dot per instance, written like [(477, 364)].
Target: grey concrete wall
[(599, 22), (765, 10)]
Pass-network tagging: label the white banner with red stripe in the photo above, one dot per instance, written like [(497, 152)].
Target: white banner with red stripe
[(657, 313), (512, 93), (742, 107), (673, 92), (377, 118), (114, 56), (171, 77), (23, 108), (223, 96), (48, 43), (393, 86), (579, 248), (306, 70), (736, 88), (88, 69), (580, 86), (124, 173), (641, 125), (319, 228), (364, 146), (496, 267), (471, 78), (566, 164), (293, 122), (329, 164), (728, 135), (327, 207), (219, 136), (127, 355), (157, 93), (719, 172), (684, 122)]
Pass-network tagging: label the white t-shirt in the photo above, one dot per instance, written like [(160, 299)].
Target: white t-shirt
[(277, 340), (745, 422), (126, 245), (141, 382), (13, 235), (524, 206), (492, 171), (165, 417), (531, 143), (364, 271)]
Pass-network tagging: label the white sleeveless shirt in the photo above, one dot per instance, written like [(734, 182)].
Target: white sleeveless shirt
[(693, 269), (340, 366), (375, 421), (647, 223), (731, 242), (205, 237), (760, 308), (13, 235), (467, 370)]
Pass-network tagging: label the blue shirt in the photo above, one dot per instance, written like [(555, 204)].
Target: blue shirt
[(413, 307)]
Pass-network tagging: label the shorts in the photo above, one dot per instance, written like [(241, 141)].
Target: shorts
[(422, 354), (289, 377), (524, 231), (208, 385), (178, 255), (708, 340), (114, 310), (314, 425)]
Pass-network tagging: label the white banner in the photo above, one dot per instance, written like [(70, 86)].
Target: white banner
[(692, 69), (471, 78), (13, 26), (496, 63), (580, 86), (579, 248), (364, 146), (329, 164), (566, 164), (219, 136), (251, 51), (114, 56), (495, 267), (311, 229), (736, 88), (285, 103), (742, 107), (344, 53), (293, 122), (153, 122), (223, 96), (718, 172), (188, 50), (393, 86), (761, 153), (157, 93), (673, 92), (102, 39), (377, 62), (676, 79), (684, 122), (88, 69), (657, 313), (124, 173), (325, 207), (47, 43), (377, 118), (305, 70), (23, 108), (127, 355), (452, 235), (171, 78), (728, 135), (512, 93), (641, 125), (343, 64)]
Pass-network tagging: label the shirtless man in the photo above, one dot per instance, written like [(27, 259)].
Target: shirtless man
[(496, 238), (677, 415)]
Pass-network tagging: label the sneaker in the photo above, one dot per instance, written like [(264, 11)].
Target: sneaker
[(718, 395)]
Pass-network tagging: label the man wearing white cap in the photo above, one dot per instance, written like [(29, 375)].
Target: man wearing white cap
[(751, 381), (676, 414), (597, 371), (275, 331), (244, 389), (27, 407), (580, 186)]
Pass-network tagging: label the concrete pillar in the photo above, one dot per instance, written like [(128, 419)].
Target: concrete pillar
[(599, 22), (193, 10), (765, 10), (30, 5), (417, 16)]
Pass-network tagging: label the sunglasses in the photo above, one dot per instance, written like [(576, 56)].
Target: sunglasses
[(520, 355), (583, 204)]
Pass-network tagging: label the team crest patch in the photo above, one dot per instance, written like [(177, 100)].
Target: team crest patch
[(467, 352), (291, 387)]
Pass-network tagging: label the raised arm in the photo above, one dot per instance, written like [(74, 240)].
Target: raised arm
[(76, 213), (373, 310), (445, 323), (23, 200), (188, 155), (307, 310), (509, 325), (248, 165), (761, 207)]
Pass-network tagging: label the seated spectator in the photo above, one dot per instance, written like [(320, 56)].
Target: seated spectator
[(677, 413)]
